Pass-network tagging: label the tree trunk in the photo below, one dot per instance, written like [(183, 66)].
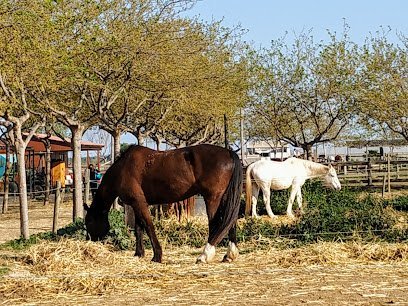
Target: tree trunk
[(116, 154), (20, 150), (116, 144), (139, 137), (78, 211), (308, 151), (6, 179), (157, 143)]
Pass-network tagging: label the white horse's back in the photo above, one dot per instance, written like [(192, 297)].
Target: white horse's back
[(277, 175)]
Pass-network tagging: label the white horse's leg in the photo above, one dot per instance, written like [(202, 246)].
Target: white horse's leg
[(266, 191), (207, 255), (293, 193), (299, 199), (255, 193)]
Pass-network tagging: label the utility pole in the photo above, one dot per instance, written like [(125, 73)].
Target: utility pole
[(226, 131), (242, 133)]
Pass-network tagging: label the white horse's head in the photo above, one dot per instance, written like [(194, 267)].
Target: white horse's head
[(331, 180)]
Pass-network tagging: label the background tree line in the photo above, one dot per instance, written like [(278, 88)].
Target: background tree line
[(139, 66)]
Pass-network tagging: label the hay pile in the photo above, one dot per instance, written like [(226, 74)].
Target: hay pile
[(69, 268)]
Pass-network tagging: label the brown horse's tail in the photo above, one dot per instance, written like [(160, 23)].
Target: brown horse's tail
[(227, 212), (248, 189)]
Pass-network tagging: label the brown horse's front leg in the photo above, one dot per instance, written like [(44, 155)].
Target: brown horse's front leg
[(143, 218)]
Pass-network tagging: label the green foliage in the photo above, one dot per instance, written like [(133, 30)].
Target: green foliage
[(75, 230), (330, 215), (21, 243), (400, 203), (339, 214), (119, 234), (3, 270)]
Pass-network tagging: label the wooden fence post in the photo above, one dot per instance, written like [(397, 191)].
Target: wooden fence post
[(398, 171), (369, 172), (56, 207), (389, 172), (87, 186), (383, 186)]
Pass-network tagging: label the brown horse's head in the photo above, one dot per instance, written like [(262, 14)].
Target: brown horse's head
[(96, 222)]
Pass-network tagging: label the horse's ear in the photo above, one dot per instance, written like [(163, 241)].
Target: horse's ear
[(86, 207)]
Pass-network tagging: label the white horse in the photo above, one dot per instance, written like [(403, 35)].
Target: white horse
[(293, 172)]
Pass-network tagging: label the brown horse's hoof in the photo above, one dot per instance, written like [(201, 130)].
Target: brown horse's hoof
[(232, 253)]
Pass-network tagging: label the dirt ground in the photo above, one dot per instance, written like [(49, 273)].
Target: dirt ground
[(40, 219), (254, 278)]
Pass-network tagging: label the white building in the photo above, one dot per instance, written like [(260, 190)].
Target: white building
[(258, 149)]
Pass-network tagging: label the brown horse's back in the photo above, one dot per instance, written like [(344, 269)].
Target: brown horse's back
[(170, 176)]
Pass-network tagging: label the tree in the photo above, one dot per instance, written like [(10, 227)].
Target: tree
[(214, 85), (22, 34), (384, 85), (16, 125), (5, 138), (304, 94)]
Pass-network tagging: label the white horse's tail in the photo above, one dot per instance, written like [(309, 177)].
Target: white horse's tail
[(248, 189)]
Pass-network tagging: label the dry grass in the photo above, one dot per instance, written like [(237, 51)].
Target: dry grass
[(73, 272), (68, 268)]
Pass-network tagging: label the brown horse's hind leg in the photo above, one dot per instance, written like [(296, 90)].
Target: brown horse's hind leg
[(143, 218), (232, 252), (209, 250), (140, 252)]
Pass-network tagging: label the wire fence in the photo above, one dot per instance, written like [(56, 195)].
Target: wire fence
[(51, 190)]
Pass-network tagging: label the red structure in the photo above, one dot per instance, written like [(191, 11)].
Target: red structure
[(36, 151)]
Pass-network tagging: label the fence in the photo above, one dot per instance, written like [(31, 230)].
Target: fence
[(388, 173)]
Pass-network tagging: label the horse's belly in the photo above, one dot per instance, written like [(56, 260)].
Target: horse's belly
[(280, 185), (165, 193)]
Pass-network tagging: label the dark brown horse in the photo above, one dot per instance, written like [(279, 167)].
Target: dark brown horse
[(142, 177)]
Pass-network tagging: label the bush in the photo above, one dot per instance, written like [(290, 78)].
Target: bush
[(329, 215), (119, 235), (400, 203)]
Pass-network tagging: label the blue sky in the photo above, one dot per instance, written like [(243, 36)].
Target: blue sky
[(266, 20)]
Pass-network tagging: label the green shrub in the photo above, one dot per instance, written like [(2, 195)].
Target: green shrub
[(21, 243), (75, 230), (399, 203), (3, 270), (118, 235), (328, 215)]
